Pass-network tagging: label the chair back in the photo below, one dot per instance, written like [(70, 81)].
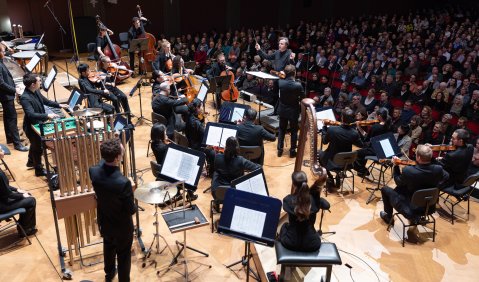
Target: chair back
[(155, 168), (220, 193), (123, 36), (425, 199), (471, 179), (250, 152), (181, 139), (345, 159), (91, 47), (157, 118)]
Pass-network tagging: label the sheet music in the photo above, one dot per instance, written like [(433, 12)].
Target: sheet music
[(33, 63), (238, 114), (326, 114), (75, 96), (202, 93), (48, 81), (227, 132), (180, 166), (387, 148), (214, 135), (254, 185), (248, 221)]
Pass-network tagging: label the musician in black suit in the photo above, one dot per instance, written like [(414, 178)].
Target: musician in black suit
[(250, 134), (340, 139), (137, 30), (94, 94), (12, 198), (291, 93), (7, 99), (33, 105), (165, 105), (457, 162), (230, 165), (118, 96), (420, 176), (115, 207), (216, 69)]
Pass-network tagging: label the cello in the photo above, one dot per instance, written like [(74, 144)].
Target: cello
[(112, 51), (150, 54), (231, 94)]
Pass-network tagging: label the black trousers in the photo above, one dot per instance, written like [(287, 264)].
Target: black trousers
[(10, 122), (132, 62), (27, 220), (360, 163), (119, 247), (36, 150), (392, 199), (119, 98), (283, 127)]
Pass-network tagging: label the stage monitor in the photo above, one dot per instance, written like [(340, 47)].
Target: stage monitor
[(50, 78), (182, 164), (253, 182)]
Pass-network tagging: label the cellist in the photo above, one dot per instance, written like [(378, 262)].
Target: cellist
[(216, 69), (101, 42), (137, 30)]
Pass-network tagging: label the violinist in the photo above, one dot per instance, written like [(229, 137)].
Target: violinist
[(420, 176), (165, 105), (164, 60), (382, 127), (457, 162), (340, 139), (110, 85), (101, 42), (137, 30), (94, 90)]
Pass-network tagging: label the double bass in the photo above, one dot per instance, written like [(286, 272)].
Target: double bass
[(112, 51), (150, 54), (231, 94)]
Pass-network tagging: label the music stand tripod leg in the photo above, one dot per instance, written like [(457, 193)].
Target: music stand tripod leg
[(245, 262)]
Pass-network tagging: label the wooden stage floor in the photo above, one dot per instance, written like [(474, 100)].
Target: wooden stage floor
[(374, 253)]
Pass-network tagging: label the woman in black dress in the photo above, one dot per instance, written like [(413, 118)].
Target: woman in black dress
[(230, 165), (299, 233), (159, 141)]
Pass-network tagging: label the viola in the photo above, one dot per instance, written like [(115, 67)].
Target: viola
[(96, 76), (442, 147), (367, 122)]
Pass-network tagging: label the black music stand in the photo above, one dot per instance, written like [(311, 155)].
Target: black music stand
[(231, 112), (385, 146), (253, 182), (139, 45), (48, 81), (252, 218), (218, 84)]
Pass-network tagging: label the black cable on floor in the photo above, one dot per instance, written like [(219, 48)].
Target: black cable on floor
[(49, 259)]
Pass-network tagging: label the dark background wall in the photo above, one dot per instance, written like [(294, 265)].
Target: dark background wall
[(171, 17)]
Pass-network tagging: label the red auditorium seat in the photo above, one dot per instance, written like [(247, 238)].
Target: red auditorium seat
[(324, 72), (396, 102), (416, 109), (473, 127), (435, 115)]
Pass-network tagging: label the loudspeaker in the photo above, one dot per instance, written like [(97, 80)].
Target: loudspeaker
[(86, 32)]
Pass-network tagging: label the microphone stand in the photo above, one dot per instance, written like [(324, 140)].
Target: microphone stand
[(62, 33)]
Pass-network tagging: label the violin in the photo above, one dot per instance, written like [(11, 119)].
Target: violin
[(367, 122), (398, 161), (331, 122), (279, 74), (96, 76), (359, 123), (442, 147)]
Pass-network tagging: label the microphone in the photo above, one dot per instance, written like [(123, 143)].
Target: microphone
[(46, 3)]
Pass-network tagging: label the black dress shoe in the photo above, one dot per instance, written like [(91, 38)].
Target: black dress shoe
[(280, 153), (292, 153), (272, 114), (110, 276), (29, 163), (386, 217), (21, 148), (192, 197), (41, 172)]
